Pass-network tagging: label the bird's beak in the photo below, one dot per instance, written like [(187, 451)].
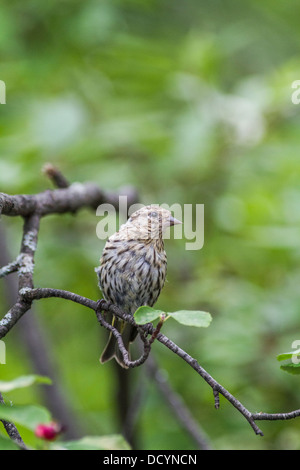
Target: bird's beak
[(174, 221)]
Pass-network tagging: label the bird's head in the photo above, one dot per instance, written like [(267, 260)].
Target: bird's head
[(150, 222)]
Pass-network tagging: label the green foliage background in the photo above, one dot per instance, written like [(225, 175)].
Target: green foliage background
[(191, 103)]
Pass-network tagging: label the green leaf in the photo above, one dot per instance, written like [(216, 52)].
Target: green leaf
[(196, 318), (7, 444), (28, 416), (146, 314), (288, 355), (192, 318), (22, 381), (113, 442), (291, 368)]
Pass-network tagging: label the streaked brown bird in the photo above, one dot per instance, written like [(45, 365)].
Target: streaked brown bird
[(133, 269)]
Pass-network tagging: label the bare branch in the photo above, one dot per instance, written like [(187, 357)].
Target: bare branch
[(70, 198), (29, 295), (10, 268), (62, 200), (56, 176), (276, 416), (38, 344), (12, 430), (118, 336)]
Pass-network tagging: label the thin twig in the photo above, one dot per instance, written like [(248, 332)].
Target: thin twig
[(62, 200), (10, 268), (29, 295), (38, 345), (157, 329), (56, 176), (70, 198), (12, 430), (118, 336), (276, 416), (217, 398)]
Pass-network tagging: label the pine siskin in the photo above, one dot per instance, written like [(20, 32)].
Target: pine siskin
[(133, 269)]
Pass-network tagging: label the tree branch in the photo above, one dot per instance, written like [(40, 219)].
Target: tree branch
[(11, 430), (37, 343), (118, 336), (29, 295), (62, 200), (10, 268), (70, 198)]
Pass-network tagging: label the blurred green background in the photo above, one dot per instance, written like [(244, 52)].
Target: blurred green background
[(190, 102)]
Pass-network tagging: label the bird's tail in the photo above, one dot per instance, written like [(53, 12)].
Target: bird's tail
[(111, 349)]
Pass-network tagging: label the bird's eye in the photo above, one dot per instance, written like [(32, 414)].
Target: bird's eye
[(153, 214)]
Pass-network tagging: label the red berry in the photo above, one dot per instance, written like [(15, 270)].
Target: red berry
[(47, 431)]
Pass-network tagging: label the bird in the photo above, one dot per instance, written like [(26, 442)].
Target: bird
[(132, 270)]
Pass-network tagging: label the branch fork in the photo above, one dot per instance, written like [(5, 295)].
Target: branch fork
[(71, 198)]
